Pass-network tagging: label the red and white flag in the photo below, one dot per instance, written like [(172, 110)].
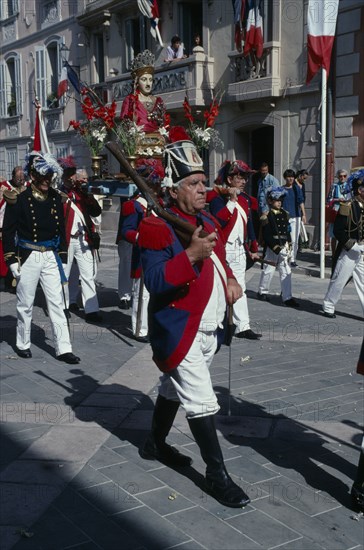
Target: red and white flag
[(149, 8), (239, 18), (40, 134), (63, 83), (321, 25), (254, 29)]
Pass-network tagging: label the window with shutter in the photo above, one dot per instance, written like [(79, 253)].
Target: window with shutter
[(3, 102), (10, 86), (18, 85), (8, 8), (11, 160), (40, 76)]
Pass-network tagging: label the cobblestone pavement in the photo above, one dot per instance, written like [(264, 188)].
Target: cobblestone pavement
[(290, 430)]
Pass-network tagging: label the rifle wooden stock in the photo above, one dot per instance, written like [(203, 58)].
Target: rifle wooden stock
[(183, 229)]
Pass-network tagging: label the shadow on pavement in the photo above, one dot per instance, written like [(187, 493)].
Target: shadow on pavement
[(38, 334), (290, 446)]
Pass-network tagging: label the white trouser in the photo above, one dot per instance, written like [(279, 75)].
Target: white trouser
[(303, 232), (41, 266), (143, 331), (236, 258), (295, 224), (190, 383), (125, 282), (350, 263), (80, 251), (285, 275)]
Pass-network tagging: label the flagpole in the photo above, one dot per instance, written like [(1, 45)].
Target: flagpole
[(323, 172)]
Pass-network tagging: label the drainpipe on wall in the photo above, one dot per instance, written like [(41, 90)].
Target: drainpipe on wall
[(330, 133)]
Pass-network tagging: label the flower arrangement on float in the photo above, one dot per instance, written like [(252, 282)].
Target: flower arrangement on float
[(204, 136), (101, 124), (92, 132), (94, 129)]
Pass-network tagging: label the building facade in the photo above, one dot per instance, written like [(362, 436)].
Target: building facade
[(268, 113)]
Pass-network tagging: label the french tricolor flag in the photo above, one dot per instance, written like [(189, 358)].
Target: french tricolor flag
[(40, 134), (321, 25), (63, 83), (254, 29), (149, 8), (239, 16)]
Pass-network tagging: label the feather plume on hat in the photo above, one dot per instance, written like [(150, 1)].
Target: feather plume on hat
[(43, 164), (354, 181), (276, 193), (67, 162)]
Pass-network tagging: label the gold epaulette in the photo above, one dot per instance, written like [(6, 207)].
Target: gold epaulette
[(10, 196), (345, 208)]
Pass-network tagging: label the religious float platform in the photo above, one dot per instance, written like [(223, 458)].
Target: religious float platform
[(112, 186)]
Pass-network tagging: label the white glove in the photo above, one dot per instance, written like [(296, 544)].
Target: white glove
[(14, 268), (358, 248), (283, 254)]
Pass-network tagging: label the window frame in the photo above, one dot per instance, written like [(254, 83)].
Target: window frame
[(136, 38), (12, 160), (11, 85), (47, 68), (4, 9)]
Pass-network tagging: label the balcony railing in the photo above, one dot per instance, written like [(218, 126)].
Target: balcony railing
[(255, 78), (193, 75), (249, 67)]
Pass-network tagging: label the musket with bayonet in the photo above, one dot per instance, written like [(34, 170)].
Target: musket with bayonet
[(183, 229)]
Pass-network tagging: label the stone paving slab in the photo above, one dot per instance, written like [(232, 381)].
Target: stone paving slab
[(213, 533), (73, 433), (318, 530)]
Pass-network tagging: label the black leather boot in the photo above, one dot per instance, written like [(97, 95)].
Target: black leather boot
[(357, 490), (155, 447), (218, 482)]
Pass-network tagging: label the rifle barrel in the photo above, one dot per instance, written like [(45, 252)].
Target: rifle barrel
[(183, 229)]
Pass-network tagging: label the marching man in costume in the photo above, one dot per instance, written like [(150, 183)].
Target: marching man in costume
[(132, 213), (35, 250), (15, 184), (277, 237), (232, 207), (349, 254), (78, 208), (189, 286)]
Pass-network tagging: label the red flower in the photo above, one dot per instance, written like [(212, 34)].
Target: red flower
[(178, 133), (167, 120), (88, 108), (188, 110), (75, 124), (211, 113)]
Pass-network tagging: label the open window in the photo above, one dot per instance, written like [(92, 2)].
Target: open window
[(136, 37), (99, 58), (189, 22), (48, 66), (10, 86)]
